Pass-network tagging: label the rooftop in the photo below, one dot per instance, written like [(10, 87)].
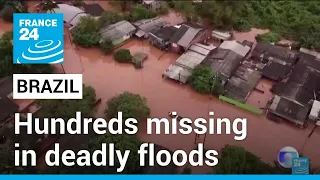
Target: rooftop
[(165, 33), (221, 35), (308, 60), (93, 9), (223, 62), (70, 13), (289, 110), (235, 47), (186, 33), (117, 30), (148, 25), (242, 83), (275, 71), (264, 51)]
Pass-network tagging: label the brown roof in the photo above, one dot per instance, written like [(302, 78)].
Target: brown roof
[(6, 86)]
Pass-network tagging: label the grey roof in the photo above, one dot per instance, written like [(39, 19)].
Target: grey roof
[(148, 25), (201, 48), (242, 83), (117, 30), (181, 70), (188, 36), (267, 51), (308, 60), (275, 71), (93, 9), (178, 35), (289, 110), (302, 85), (165, 33), (223, 62)]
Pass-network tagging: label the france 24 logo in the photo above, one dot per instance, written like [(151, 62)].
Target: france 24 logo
[(38, 38)]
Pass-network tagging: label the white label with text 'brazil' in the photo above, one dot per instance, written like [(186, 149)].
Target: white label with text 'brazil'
[(47, 86)]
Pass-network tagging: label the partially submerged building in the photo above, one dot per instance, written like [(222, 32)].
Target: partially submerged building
[(187, 34), (297, 94), (242, 83), (94, 9), (221, 36), (118, 32), (145, 26), (278, 61), (225, 60), (181, 70), (161, 37), (71, 14)]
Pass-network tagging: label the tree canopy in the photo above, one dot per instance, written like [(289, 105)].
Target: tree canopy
[(67, 108), (203, 80), (123, 56), (131, 105), (295, 20), (86, 33)]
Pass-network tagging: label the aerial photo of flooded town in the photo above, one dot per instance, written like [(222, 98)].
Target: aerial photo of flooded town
[(258, 60)]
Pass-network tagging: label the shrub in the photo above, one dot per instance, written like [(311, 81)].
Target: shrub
[(86, 34), (242, 25), (164, 9), (7, 13), (109, 17), (123, 56), (106, 46), (77, 3), (140, 12), (270, 37)]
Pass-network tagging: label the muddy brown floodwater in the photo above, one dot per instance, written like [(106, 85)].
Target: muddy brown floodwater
[(265, 138)]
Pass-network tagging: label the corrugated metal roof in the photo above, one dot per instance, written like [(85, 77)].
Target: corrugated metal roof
[(201, 49), (76, 20), (188, 37), (148, 25), (177, 72), (69, 12), (221, 35), (190, 59), (315, 110), (117, 30), (235, 47)]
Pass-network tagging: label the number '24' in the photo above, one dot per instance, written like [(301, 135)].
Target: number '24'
[(27, 35)]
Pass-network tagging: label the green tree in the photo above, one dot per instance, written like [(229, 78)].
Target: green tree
[(121, 142), (106, 46), (108, 18), (48, 5), (77, 3), (140, 12), (86, 33), (186, 8), (7, 13), (202, 80), (123, 56), (131, 105), (67, 108), (270, 37)]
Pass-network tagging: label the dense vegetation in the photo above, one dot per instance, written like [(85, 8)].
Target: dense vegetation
[(297, 20), (123, 56), (203, 80), (131, 105), (8, 8)]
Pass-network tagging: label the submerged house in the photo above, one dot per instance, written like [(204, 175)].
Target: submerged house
[(187, 34), (225, 60), (181, 70), (118, 32), (145, 26), (295, 96), (161, 37), (221, 36), (94, 9), (278, 61), (242, 83), (71, 14)]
